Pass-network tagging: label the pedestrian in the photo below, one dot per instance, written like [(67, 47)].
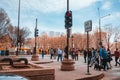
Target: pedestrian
[(51, 53), (109, 57), (103, 57), (93, 52), (55, 53), (60, 52), (85, 55), (71, 53), (7, 52), (89, 55), (43, 53), (76, 54), (95, 59), (117, 54), (93, 56)]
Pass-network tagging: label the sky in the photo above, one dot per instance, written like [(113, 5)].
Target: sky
[(51, 14)]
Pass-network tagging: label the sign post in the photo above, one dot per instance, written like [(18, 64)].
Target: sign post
[(88, 27)]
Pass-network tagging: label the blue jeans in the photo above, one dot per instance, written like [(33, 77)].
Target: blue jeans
[(59, 57)]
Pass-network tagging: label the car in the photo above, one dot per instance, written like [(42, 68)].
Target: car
[(7, 76)]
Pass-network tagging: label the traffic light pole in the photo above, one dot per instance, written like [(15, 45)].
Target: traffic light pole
[(68, 34), (35, 57), (67, 5), (68, 64), (35, 38)]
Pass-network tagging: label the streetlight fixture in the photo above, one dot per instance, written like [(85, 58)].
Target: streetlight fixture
[(100, 25)]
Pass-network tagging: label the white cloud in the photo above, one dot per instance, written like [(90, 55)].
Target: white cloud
[(76, 5), (44, 5), (54, 5), (106, 5), (117, 14)]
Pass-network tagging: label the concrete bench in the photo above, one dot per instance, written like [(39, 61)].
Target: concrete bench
[(12, 60)]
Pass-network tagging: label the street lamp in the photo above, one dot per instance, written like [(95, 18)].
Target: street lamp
[(18, 35), (100, 25)]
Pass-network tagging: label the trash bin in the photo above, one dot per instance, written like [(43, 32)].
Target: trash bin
[(11, 77)]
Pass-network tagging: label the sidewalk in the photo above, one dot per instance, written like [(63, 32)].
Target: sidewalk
[(80, 70), (78, 74)]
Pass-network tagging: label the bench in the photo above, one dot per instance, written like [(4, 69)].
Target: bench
[(12, 60)]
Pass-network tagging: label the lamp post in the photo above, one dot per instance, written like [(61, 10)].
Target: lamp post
[(18, 35), (100, 43)]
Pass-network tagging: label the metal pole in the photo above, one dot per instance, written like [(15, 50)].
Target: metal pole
[(67, 5), (88, 73), (67, 47), (35, 38), (99, 28), (68, 34), (72, 42), (18, 27)]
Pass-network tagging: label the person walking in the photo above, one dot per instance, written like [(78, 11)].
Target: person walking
[(103, 56), (117, 54), (71, 53), (89, 56), (109, 58), (60, 52), (43, 53), (51, 53), (85, 55), (76, 54), (7, 52)]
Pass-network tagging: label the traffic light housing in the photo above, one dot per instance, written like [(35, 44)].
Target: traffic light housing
[(68, 19), (36, 32)]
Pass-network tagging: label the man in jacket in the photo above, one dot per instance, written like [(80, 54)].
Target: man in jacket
[(117, 54)]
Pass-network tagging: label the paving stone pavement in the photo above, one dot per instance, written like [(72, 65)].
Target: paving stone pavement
[(80, 70)]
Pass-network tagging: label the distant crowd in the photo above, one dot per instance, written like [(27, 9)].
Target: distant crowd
[(101, 58)]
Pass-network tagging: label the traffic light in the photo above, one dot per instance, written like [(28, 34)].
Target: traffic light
[(36, 32), (68, 19)]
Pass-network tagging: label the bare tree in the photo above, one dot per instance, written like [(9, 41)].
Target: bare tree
[(4, 22), (109, 32), (13, 31), (116, 34)]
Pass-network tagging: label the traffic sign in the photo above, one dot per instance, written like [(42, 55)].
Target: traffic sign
[(88, 26)]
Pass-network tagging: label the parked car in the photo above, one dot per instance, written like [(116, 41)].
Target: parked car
[(11, 77)]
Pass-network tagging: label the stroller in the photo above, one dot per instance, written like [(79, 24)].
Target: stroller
[(97, 62), (98, 65)]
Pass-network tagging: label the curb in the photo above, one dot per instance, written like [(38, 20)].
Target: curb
[(45, 62), (97, 77)]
